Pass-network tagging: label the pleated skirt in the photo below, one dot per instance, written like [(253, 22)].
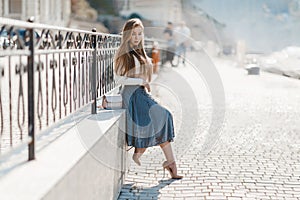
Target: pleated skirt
[(147, 123)]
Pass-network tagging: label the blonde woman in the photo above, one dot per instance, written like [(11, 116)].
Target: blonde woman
[(147, 123)]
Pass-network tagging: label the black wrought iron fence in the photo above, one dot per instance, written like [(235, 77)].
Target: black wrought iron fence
[(48, 73)]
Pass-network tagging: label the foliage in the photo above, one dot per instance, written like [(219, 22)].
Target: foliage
[(103, 6)]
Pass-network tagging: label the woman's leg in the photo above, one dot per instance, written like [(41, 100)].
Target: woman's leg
[(167, 149), (138, 152), (170, 164)]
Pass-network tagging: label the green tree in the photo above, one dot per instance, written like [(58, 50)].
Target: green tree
[(103, 6)]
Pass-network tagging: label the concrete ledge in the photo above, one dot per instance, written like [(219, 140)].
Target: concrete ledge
[(88, 161)]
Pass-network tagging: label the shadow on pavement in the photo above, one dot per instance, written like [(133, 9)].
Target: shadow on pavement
[(152, 192)]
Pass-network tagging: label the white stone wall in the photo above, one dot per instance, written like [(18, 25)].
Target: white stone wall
[(87, 160), (1, 8), (54, 12), (31, 9)]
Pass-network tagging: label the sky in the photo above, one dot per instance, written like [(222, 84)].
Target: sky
[(265, 25)]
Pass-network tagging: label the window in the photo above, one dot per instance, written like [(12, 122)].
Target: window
[(15, 6)]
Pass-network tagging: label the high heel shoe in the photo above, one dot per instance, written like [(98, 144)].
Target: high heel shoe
[(136, 158), (171, 167)]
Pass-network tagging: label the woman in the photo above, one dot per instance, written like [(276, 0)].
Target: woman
[(147, 123)]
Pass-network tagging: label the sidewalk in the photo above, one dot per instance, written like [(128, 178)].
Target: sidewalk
[(256, 155)]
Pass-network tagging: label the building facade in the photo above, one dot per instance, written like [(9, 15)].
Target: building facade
[(54, 12)]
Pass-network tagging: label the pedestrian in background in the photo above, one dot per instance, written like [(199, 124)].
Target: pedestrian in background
[(171, 45), (182, 35), (155, 54), (169, 29), (147, 123)]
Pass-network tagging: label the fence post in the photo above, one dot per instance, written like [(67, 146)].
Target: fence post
[(30, 74), (94, 92)]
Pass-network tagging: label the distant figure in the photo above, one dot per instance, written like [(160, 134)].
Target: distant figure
[(171, 45), (169, 29), (182, 35), (155, 57)]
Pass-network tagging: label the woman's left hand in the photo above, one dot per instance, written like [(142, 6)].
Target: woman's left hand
[(147, 85)]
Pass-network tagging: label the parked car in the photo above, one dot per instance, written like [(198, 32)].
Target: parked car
[(14, 38), (251, 64), (21, 33), (5, 41)]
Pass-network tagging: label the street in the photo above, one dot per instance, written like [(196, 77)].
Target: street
[(253, 154)]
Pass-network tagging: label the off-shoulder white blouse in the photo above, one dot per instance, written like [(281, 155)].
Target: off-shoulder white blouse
[(125, 80)]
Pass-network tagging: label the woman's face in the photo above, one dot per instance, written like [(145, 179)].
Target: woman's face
[(136, 36)]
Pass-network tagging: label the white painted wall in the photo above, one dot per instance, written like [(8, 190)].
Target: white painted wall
[(54, 12)]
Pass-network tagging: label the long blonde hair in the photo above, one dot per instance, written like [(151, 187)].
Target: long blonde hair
[(123, 60)]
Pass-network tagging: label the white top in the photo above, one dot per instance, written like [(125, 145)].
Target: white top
[(124, 80), (182, 34)]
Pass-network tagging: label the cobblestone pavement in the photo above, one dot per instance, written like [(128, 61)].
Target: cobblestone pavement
[(256, 155)]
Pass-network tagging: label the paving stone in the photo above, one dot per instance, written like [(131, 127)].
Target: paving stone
[(234, 198), (214, 197)]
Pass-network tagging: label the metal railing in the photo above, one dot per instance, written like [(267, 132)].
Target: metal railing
[(48, 73)]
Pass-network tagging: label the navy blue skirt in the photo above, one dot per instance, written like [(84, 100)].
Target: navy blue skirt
[(147, 123)]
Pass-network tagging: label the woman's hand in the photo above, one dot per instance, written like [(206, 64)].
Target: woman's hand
[(147, 85)]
